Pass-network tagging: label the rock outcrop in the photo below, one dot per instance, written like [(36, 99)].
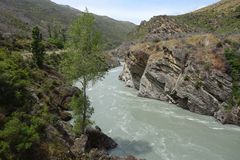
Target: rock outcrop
[(228, 117), (94, 145), (189, 71)]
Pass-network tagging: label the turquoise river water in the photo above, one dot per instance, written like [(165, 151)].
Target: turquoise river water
[(156, 130)]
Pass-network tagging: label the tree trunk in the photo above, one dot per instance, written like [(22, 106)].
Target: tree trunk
[(84, 105)]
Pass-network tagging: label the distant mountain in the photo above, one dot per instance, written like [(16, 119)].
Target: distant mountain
[(19, 16)]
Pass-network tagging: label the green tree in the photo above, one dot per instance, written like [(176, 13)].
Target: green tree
[(84, 62), (37, 47)]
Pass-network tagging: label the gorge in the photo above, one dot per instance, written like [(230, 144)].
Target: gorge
[(153, 129), (167, 89)]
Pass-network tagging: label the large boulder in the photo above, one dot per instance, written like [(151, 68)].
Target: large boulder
[(99, 140), (94, 145)]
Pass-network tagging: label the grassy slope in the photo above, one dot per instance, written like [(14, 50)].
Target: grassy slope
[(222, 17), (19, 16)]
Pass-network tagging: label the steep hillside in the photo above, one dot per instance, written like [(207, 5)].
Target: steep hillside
[(159, 27), (222, 17), (20, 16)]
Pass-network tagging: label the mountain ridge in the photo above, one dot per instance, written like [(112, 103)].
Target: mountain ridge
[(19, 17)]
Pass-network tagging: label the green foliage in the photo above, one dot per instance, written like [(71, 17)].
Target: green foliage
[(37, 47), (57, 35), (56, 42), (19, 135), (233, 57), (14, 78), (54, 60), (84, 60), (23, 126), (221, 18), (77, 105), (44, 12)]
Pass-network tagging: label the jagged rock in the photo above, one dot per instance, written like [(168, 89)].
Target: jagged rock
[(61, 97), (78, 148), (94, 145), (189, 71), (97, 139), (65, 116), (228, 116), (126, 76), (65, 129), (134, 68), (112, 59)]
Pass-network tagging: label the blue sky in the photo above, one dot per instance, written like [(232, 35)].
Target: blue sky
[(136, 10)]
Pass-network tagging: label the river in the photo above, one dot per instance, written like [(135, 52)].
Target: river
[(156, 130)]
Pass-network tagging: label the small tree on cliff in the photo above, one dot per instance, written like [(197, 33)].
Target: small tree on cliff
[(37, 47), (84, 62)]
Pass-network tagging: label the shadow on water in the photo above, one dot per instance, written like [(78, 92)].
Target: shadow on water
[(134, 147)]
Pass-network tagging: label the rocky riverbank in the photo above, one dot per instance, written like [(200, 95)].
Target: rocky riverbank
[(35, 103), (60, 142), (190, 71)]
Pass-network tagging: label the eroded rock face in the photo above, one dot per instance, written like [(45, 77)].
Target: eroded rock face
[(134, 68), (126, 76), (190, 72)]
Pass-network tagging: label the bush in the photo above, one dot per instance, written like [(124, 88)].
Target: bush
[(19, 135), (233, 58), (56, 42), (14, 78)]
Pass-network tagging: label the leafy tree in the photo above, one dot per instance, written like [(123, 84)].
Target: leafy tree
[(84, 62), (37, 47)]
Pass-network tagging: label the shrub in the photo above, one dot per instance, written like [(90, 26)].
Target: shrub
[(56, 42), (14, 78), (19, 135), (233, 59)]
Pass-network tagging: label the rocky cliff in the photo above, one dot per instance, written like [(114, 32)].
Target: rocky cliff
[(190, 71), (184, 60)]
